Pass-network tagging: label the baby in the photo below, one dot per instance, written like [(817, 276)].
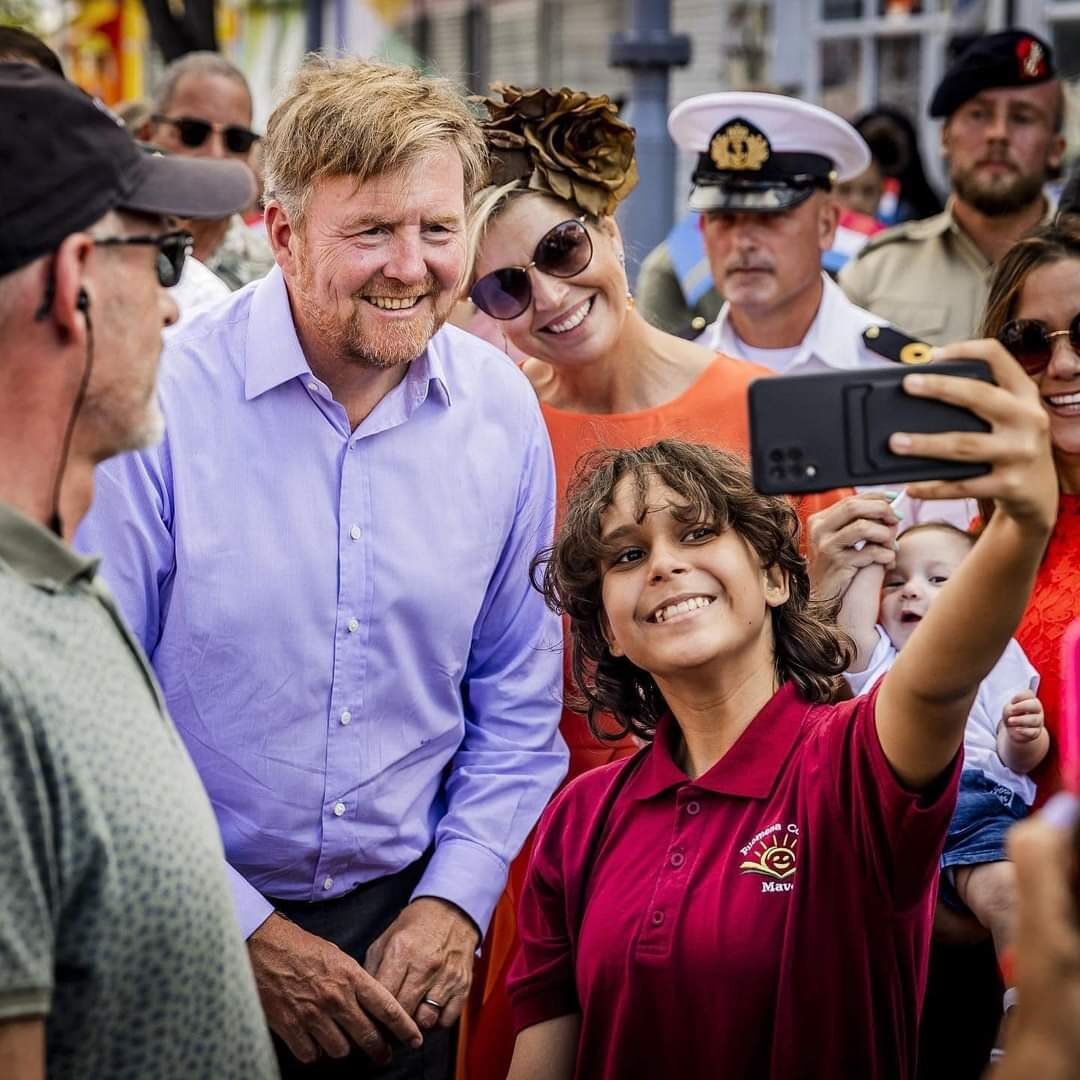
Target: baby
[(1005, 737)]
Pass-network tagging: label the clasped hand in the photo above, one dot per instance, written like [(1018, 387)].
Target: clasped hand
[(317, 999)]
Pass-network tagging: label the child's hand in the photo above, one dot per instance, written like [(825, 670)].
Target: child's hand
[(1023, 717)]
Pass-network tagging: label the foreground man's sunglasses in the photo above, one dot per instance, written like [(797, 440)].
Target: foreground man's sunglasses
[(173, 249)]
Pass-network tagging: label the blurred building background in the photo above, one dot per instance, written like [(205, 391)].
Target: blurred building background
[(845, 54)]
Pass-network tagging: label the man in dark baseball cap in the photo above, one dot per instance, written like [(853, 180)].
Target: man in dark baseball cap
[(122, 957), (68, 161), (1002, 107)]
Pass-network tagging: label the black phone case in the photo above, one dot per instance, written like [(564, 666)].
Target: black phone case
[(817, 432)]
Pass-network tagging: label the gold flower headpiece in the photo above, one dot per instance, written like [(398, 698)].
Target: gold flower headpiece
[(565, 142)]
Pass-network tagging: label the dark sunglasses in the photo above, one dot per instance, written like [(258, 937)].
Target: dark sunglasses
[(173, 249), (562, 252), (194, 132), (1031, 341)]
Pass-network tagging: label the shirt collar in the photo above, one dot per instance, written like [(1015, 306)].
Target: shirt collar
[(827, 339), (834, 335), (748, 770), (946, 222), (273, 355), (37, 555)]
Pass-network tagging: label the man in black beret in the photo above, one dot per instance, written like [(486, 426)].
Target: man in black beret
[(1002, 108)]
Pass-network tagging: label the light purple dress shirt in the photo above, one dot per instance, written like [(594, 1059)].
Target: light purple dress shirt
[(342, 621)]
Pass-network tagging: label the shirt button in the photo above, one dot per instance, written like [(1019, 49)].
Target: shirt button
[(677, 858), (657, 918), (346, 716), (353, 625), (693, 808), (339, 809), (328, 884), (356, 532), (313, 387)]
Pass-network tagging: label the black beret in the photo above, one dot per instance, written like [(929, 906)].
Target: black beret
[(1008, 58)]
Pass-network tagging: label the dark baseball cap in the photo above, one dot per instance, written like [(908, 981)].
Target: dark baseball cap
[(67, 161), (990, 62)]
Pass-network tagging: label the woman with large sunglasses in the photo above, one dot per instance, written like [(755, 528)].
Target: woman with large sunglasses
[(1034, 311), (549, 279)]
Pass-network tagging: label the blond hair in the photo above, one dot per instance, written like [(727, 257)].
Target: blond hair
[(361, 119)]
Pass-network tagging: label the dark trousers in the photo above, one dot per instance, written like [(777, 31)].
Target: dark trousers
[(352, 923)]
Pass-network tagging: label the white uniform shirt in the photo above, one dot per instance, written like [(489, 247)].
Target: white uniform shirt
[(1011, 674), (833, 342)]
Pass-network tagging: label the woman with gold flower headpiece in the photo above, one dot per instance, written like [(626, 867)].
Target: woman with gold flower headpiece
[(549, 284)]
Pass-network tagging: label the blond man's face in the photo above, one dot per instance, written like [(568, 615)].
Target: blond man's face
[(375, 268)]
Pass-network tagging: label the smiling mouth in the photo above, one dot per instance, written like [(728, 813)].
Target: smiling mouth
[(1061, 400), (682, 609), (572, 321), (394, 303)]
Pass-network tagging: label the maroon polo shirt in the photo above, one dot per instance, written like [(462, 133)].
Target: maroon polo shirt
[(770, 919)]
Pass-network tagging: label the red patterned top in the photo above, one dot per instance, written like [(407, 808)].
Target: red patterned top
[(1054, 604)]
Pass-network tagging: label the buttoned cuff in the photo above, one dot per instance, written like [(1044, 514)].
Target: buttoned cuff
[(468, 875), (252, 908)]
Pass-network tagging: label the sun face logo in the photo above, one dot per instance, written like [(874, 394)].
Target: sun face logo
[(775, 856)]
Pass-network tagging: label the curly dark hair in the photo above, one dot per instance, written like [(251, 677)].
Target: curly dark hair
[(810, 649)]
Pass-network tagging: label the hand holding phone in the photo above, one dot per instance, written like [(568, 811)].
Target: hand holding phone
[(818, 432)]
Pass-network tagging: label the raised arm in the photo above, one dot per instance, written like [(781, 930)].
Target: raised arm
[(859, 612), (924, 701)]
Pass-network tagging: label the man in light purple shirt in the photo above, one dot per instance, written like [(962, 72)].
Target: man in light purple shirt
[(327, 561)]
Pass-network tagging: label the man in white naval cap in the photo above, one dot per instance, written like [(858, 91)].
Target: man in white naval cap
[(763, 184)]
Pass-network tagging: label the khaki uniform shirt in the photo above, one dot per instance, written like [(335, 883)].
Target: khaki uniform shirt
[(926, 277), (661, 300)]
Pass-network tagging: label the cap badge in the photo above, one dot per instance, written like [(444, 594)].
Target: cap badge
[(739, 148), (1032, 57)]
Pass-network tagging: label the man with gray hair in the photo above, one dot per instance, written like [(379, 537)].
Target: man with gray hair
[(202, 108), (327, 561), (119, 951)]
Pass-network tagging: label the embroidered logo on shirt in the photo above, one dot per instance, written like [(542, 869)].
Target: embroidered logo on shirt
[(774, 857)]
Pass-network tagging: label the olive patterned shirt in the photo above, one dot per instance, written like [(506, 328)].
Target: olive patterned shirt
[(116, 921)]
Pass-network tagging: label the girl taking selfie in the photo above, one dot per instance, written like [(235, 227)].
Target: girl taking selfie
[(753, 891)]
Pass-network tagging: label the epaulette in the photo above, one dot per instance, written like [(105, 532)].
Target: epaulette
[(908, 230), (895, 345)]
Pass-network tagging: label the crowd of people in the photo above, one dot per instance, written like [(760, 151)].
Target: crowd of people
[(404, 678)]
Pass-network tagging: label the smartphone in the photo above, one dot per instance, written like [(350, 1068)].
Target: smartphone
[(1069, 729), (818, 432)]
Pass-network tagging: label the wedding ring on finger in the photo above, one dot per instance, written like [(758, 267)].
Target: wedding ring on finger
[(436, 1005)]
